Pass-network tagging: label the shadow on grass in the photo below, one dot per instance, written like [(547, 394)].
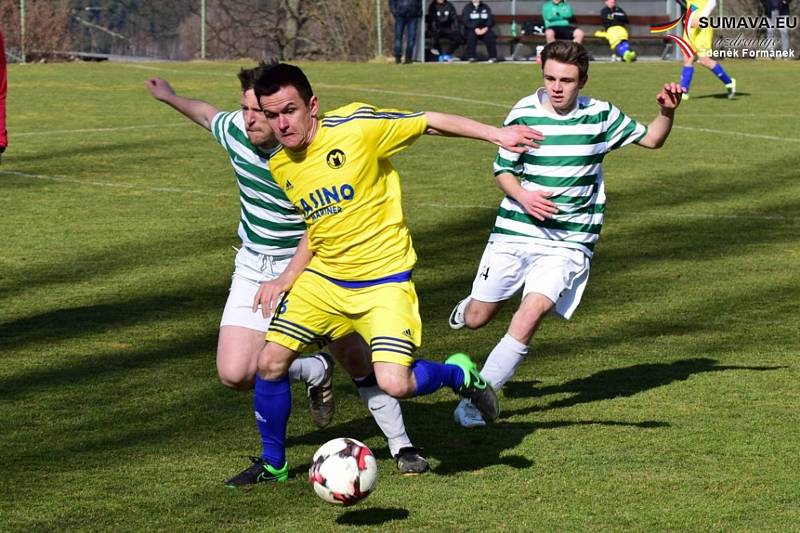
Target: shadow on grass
[(374, 516), (457, 449), (617, 382), (721, 96)]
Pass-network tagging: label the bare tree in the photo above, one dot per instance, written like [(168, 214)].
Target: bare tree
[(46, 26)]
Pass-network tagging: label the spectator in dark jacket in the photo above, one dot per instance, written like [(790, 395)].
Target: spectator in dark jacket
[(443, 19), (774, 9), (406, 18), (478, 22)]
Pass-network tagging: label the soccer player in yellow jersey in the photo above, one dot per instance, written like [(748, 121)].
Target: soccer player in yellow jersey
[(701, 39), (352, 271)]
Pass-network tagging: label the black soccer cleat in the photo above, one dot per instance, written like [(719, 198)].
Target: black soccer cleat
[(410, 462), (320, 397)]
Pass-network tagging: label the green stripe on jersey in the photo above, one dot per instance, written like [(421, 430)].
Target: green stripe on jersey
[(267, 206), (273, 225), (283, 243), (556, 181), (549, 223), (505, 231)]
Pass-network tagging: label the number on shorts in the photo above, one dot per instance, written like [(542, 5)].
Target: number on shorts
[(485, 273)]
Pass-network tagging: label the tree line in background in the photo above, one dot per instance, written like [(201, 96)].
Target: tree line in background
[(257, 29)]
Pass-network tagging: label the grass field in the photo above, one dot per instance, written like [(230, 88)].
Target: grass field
[(669, 402)]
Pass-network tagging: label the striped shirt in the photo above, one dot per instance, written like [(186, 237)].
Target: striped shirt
[(568, 165), (268, 222)]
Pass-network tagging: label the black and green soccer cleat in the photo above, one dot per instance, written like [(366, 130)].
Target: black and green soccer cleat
[(258, 472), (475, 388)]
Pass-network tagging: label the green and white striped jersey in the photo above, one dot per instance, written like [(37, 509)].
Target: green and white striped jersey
[(269, 224), (568, 164)]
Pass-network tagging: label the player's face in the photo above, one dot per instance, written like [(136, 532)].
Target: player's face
[(293, 121), (611, 3), (562, 83), (258, 129)]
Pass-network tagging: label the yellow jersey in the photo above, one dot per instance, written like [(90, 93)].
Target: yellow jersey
[(349, 193)]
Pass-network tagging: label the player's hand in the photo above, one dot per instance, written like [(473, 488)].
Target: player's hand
[(268, 295), (536, 204), (670, 96), (518, 138), (159, 88)]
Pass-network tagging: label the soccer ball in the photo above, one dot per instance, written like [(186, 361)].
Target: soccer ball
[(343, 471)]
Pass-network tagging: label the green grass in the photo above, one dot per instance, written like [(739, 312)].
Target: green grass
[(669, 402)]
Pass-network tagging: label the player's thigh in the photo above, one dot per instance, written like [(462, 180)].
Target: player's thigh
[(560, 275), (388, 318), (353, 354), (237, 355), (310, 315), (701, 40), (501, 272), (250, 270)]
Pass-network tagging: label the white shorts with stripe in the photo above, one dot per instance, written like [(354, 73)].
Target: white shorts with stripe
[(556, 272)]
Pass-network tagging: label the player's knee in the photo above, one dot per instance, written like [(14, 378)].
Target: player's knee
[(475, 319), (395, 386), (272, 364), (235, 378)]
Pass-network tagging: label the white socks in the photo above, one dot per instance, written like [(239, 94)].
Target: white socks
[(503, 361)]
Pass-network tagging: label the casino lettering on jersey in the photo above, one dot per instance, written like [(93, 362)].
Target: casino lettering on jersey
[(324, 201)]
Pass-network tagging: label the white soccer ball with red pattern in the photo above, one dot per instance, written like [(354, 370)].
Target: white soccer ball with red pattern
[(343, 471)]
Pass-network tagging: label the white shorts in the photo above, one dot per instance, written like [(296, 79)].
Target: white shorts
[(251, 269), (556, 272)]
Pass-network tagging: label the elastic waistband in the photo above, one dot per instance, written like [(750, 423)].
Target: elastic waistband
[(270, 256), (394, 278)]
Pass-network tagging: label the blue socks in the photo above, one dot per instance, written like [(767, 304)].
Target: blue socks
[(720, 73), (432, 376), (688, 72), (686, 77), (272, 403), (622, 47)]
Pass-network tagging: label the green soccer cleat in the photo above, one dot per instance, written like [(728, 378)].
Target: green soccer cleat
[(258, 472), (629, 56), (475, 388)]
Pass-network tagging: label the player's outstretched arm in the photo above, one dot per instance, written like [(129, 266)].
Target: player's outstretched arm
[(198, 111), (516, 138), (668, 101), (269, 293), (535, 203)]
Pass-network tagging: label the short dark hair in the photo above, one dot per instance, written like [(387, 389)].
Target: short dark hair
[(247, 76), (272, 78), (568, 52)]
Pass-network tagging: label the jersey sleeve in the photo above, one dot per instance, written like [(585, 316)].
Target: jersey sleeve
[(390, 130), (219, 124), (621, 129), (507, 162)]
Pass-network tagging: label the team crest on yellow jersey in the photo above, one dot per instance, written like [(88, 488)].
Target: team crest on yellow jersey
[(335, 158)]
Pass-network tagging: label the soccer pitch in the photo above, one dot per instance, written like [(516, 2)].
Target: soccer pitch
[(669, 402)]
